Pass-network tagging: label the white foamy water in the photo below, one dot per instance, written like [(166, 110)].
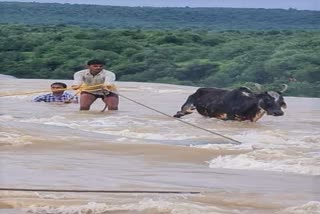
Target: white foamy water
[(45, 145), (312, 207), (262, 160), (159, 206)]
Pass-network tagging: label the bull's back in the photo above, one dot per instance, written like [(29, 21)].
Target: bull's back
[(209, 100), (209, 93)]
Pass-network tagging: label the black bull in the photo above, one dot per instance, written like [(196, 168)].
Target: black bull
[(239, 104)]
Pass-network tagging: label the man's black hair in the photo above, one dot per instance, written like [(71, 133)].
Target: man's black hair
[(96, 62), (59, 83)]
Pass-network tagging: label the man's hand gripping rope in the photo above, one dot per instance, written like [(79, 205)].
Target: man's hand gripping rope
[(106, 89)]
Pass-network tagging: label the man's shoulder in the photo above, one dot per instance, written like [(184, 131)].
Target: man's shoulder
[(82, 71), (68, 95)]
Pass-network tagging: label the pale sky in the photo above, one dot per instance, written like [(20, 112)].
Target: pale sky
[(283, 4)]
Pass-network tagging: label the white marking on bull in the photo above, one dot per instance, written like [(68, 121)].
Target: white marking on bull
[(245, 94)]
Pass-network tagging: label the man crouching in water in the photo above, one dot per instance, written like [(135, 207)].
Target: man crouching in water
[(58, 94), (96, 82)]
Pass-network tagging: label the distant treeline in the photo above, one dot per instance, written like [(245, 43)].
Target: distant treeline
[(198, 58), (111, 17)]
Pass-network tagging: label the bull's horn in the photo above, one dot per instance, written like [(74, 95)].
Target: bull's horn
[(285, 87)]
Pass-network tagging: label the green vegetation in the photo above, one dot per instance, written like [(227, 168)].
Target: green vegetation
[(215, 47), (220, 59)]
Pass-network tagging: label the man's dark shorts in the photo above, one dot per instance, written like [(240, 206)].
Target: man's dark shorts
[(111, 94)]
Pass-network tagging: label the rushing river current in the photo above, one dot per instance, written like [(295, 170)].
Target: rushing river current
[(184, 169)]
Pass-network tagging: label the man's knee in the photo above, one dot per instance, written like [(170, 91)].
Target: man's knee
[(113, 108), (112, 102)]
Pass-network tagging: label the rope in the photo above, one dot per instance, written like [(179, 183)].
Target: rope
[(97, 191), (33, 92), (52, 90), (190, 124)]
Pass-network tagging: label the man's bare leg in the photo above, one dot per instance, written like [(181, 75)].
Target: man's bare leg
[(86, 101), (112, 101)]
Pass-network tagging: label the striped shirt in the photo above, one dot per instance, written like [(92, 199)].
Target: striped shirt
[(51, 98)]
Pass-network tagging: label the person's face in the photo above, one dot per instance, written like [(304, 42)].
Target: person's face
[(96, 68), (57, 89)]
